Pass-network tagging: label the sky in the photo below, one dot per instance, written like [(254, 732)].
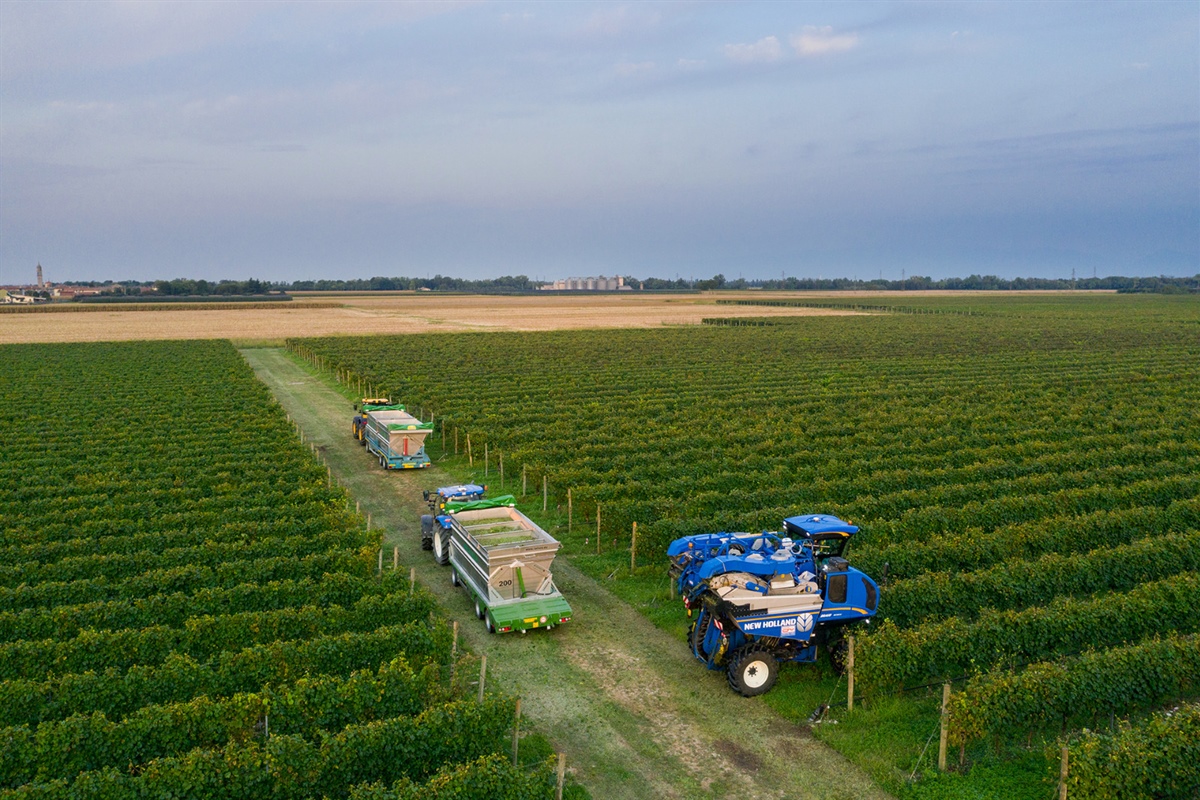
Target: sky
[(290, 141)]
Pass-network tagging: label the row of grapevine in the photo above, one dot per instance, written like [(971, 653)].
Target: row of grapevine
[(1027, 471), (1100, 682), (190, 606), (1159, 758)]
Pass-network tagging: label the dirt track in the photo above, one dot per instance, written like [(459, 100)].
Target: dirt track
[(636, 716)]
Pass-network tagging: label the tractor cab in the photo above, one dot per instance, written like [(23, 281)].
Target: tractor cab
[(360, 414), (461, 493)]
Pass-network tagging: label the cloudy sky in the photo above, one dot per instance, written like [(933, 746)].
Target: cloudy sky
[(143, 140)]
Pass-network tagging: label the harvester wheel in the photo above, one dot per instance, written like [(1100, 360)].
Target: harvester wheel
[(698, 632), (479, 612), (440, 555), (752, 671), (839, 651)]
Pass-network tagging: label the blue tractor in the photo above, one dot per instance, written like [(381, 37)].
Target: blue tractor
[(756, 607), (437, 500)]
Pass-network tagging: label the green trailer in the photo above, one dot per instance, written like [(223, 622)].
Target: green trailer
[(503, 559)]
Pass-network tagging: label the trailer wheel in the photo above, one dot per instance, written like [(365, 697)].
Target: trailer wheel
[(454, 581), (752, 671), (440, 555), (491, 625), (479, 612)]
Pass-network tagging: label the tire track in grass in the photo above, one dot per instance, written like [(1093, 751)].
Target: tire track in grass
[(636, 716)]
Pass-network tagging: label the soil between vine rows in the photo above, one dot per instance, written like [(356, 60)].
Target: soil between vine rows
[(636, 716)]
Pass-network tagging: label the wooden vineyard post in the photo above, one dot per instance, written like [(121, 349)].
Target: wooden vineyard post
[(850, 674), (455, 440), (562, 776), (569, 510), (443, 437), (486, 459), (470, 458), (545, 491), (945, 728), (597, 529), (381, 561), (500, 458), (482, 674), (633, 550), (396, 558), (524, 479), (412, 580), (516, 729), (1062, 775)]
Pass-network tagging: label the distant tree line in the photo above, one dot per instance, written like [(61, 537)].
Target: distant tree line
[(515, 284), (184, 286)]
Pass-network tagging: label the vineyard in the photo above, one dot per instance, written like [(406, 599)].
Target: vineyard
[(189, 606), (1028, 470)]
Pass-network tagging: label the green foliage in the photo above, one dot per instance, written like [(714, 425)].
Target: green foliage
[(1159, 758), (490, 777), (893, 656), (1029, 468), (1097, 683), (188, 608)]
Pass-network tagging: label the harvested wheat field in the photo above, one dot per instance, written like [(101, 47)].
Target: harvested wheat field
[(408, 312)]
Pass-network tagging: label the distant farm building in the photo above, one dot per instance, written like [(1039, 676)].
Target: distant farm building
[(600, 284)]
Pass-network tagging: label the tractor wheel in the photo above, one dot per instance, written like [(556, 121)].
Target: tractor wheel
[(752, 671), (698, 632), (479, 611), (454, 581), (440, 553), (426, 531), (839, 652)]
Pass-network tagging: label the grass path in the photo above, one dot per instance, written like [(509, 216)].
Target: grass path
[(634, 713)]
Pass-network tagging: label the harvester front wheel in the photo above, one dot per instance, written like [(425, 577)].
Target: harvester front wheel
[(698, 632), (440, 554), (752, 671)]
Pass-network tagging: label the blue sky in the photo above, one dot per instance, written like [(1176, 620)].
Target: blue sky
[(284, 141)]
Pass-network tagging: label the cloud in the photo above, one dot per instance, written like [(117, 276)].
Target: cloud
[(813, 41), (620, 21), (764, 50), (629, 69)]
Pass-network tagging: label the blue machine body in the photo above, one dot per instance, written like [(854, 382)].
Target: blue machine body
[(777, 602)]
